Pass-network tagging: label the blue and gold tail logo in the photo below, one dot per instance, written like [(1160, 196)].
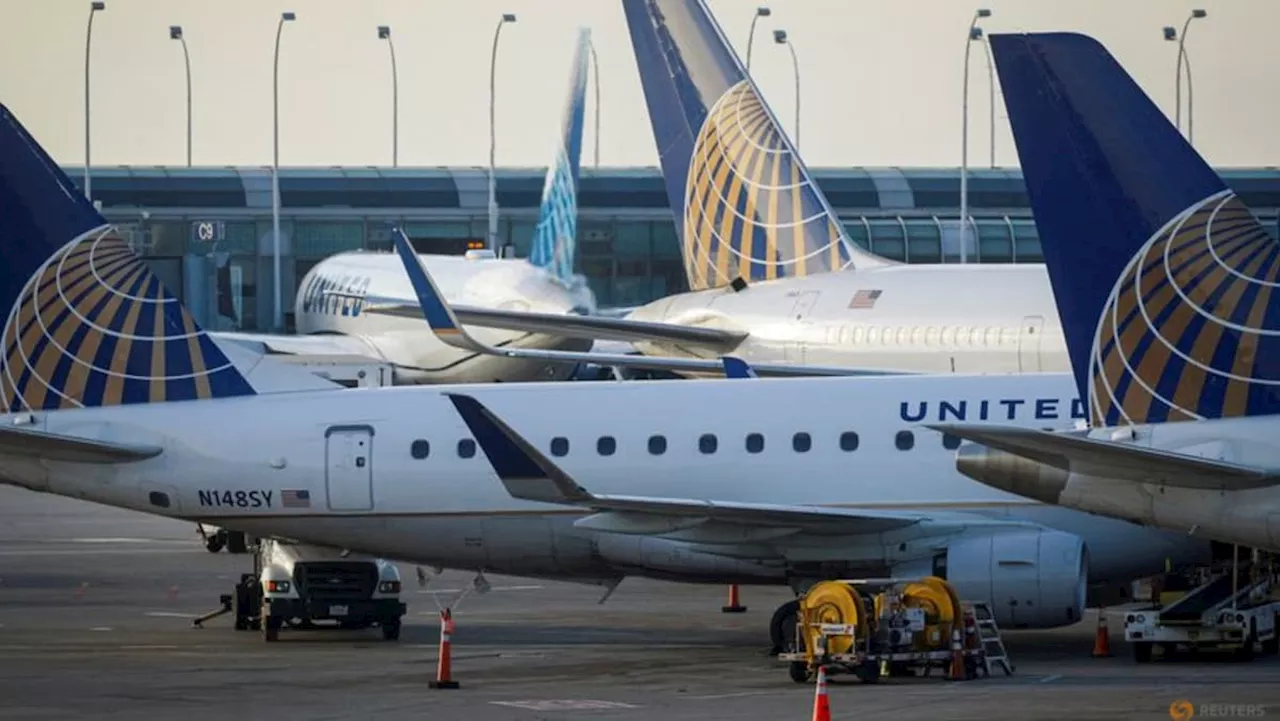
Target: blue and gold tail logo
[(94, 327), (554, 238), (1181, 333), (751, 209)]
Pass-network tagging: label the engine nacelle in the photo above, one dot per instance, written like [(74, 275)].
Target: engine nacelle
[(1033, 579)]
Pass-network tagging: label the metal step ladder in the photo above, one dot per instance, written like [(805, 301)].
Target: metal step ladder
[(993, 651)]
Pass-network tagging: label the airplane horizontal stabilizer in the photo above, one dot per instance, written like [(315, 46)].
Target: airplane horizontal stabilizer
[(529, 475), (1110, 459), (327, 345), (448, 328), (29, 443)]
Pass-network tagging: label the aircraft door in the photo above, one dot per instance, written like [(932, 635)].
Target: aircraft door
[(1029, 343), (348, 465), (795, 348)]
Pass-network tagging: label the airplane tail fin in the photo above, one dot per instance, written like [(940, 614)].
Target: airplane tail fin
[(744, 203), (1163, 277), (87, 323), (555, 238)]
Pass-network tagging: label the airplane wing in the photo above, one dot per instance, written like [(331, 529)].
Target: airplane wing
[(29, 443), (529, 475), (266, 344), (448, 328), (577, 326), (1108, 459)]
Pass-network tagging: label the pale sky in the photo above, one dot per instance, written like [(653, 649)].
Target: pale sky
[(880, 79)]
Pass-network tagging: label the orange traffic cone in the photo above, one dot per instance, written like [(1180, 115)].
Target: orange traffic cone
[(956, 672), (821, 706), (734, 606), (81, 590), (444, 668), (1102, 640)]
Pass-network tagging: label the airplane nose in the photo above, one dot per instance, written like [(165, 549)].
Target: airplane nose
[(1012, 473)]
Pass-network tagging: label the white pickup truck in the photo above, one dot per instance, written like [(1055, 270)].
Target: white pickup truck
[(298, 585)]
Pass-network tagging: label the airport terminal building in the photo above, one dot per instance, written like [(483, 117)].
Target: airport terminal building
[(189, 222)]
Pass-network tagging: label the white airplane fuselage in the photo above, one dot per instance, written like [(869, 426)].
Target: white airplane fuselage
[(230, 461), (408, 343), (926, 318)]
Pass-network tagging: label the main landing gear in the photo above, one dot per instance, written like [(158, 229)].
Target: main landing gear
[(220, 538)]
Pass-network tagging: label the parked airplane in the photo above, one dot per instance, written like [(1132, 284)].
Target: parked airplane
[(774, 277), (1164, 280), (115, 395), (335, 297)]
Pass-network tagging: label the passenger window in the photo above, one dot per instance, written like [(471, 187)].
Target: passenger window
[(755, 443), (707, 443), (873, 334), (975, 337), (917, 335), (559, 446), (848, 441), (948, 335), (859, 335), (950, 442), (466, 448), (905, 440), (904, 335), (606, 445), (801, 442), (993, 336), (420, 449), (657, 445), (931, 335)]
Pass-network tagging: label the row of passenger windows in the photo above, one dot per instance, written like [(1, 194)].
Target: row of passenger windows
[(947, 336), (708, 443)]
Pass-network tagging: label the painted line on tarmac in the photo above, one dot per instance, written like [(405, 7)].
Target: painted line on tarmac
[(170, 614), (122, 540), (101, 628), (102, 551), (565, 704), (732, 695), (1050, 679)]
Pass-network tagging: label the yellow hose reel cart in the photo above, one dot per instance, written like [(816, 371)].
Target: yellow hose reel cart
[(875, 627)]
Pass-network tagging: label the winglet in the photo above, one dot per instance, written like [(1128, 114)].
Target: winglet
[(524, 471), (434, 308), (735, 367)]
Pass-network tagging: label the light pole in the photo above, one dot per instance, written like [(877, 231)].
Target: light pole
[(595, 75), (175, 33), (278, 316), (991, 97), (761, 12), (384, 33), (975, 33), (1171, 35), (780, 37), (94, 7), (493, 141)]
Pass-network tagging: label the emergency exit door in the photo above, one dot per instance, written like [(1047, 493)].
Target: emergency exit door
[(348, 463)]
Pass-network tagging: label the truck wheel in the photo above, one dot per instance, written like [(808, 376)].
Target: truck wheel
[(1142, 652), (391, 630), (271, 628), (236, 542)]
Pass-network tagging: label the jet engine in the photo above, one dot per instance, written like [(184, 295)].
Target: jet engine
[(1033, 579)]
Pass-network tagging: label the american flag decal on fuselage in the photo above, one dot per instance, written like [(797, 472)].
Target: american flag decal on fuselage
[(295, 498)]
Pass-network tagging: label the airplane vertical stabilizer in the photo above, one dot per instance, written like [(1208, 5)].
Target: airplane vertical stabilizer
[(86, 321), (1163, 277), (555, 238), (745, 204)]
